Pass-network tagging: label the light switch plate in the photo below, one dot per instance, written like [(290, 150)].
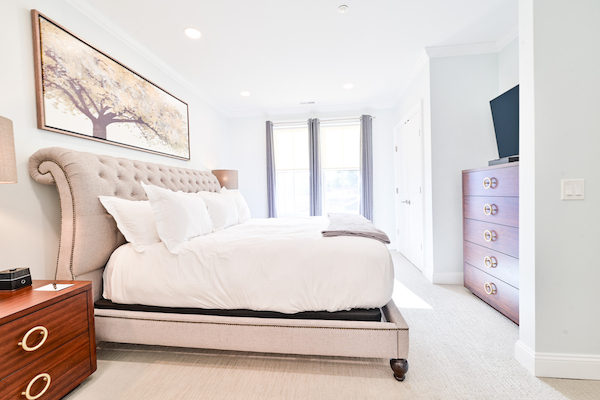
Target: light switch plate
[(572, 189)]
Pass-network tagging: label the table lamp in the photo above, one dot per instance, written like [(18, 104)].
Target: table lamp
[(227, 178), (8, 161)]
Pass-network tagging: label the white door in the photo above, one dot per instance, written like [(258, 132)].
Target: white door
[(409, 181)]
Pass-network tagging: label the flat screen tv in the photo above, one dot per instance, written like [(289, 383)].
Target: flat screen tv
[(505, 113)]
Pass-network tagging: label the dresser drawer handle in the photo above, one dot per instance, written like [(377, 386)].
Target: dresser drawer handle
[(43, 331), (490, 209), (490, 183), (489, 288), (27, 391), (490, 262), (490, 236)]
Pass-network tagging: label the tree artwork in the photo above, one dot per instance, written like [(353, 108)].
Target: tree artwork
[(123, 107)]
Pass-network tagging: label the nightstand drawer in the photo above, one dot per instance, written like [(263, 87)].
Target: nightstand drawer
[(51, 327), (63, 366), (501, 266), (492, 182), (504, 239), (497, 210), (493, 291)]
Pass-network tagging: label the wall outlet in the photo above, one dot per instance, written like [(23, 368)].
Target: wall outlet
[(572, 189)]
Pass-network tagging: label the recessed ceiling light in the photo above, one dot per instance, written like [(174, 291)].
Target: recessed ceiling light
[(245, 94), (193, 33), (348, 86), (342, 9)]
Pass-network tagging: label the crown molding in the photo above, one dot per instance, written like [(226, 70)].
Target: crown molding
[(93, 14), (507, 38), (310, 110), (461, 50)]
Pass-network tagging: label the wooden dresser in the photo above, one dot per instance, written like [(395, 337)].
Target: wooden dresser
[(491, 236), (47, 341)]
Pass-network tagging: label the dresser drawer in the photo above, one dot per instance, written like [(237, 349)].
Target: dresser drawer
[(62, 321), (492, 182), (498, 210), (502, 296), (501, 266), (504, 239), (64, 365)]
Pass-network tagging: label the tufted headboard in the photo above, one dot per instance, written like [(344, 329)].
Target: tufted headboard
[(88, 234)]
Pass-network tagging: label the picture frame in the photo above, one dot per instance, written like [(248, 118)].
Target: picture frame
[(83, 92)]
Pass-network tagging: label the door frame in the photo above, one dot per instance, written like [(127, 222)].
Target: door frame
[(407, 117)]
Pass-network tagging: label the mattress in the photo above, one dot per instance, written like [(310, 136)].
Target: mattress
[(281, 265), (357, 314)]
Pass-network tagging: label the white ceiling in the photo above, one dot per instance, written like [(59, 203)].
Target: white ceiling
[(289, 51)]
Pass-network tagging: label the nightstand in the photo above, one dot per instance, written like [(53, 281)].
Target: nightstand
[(48, 344)]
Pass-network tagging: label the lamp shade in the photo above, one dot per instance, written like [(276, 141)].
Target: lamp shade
[(8, 161), (227, 177)]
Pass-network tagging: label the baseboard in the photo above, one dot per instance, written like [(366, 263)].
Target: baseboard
[(447, 278), (558, 365), (525, 356)]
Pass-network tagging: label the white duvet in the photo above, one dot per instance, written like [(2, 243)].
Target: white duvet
[(282, 265)]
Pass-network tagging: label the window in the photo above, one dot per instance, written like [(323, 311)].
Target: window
[(291, 171), (340, 160), (319, 167)]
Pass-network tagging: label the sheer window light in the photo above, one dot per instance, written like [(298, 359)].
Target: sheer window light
[(291, 169)]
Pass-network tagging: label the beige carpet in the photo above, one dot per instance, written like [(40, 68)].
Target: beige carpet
[(460, 349)]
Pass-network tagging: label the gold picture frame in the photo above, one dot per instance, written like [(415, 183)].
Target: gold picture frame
[(83, 92)]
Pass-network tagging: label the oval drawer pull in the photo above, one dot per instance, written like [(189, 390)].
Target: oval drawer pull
[(490, 209), (43, 331), (489, 288), (490, 183), (27, 392), (490, 236), (490, 262)]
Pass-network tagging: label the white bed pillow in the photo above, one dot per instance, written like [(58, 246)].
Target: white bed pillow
[(222, 209), (179, 216), (134, 219), (242, 207)]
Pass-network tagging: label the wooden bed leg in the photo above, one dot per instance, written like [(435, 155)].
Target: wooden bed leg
[(400, 368)]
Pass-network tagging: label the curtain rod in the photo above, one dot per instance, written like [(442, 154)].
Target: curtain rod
[(320, 120)]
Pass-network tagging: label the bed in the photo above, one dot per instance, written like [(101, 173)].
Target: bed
[(89, 236)]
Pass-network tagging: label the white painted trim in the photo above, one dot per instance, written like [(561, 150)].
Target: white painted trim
[(525, 356), (568, 366), (461, 50), (507, 38), (93, 14), (447, 278), (558, 365), (310, 110)]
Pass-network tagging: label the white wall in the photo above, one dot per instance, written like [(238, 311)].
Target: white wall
[(29, 212), (462, 138), (560, 139), (248, 156), (508, 66)]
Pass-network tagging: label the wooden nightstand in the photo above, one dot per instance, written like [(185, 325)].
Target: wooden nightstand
[(47, 341)]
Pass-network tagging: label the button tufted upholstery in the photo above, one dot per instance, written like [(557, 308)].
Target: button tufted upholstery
[(89, 234)]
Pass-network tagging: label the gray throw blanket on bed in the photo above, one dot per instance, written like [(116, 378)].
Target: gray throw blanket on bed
[(342, 224)]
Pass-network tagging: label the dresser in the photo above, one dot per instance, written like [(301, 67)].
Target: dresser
[(491, 236), (48, 344)]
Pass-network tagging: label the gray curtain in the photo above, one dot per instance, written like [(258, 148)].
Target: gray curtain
[(366, 166), (271, 171), (315, 191)]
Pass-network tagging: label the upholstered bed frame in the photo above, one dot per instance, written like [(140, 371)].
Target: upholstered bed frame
[(89, 235)]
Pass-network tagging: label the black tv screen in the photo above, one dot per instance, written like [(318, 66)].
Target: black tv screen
[(505, 113)]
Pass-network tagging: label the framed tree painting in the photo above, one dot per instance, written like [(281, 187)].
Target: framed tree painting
[(83, 92)]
